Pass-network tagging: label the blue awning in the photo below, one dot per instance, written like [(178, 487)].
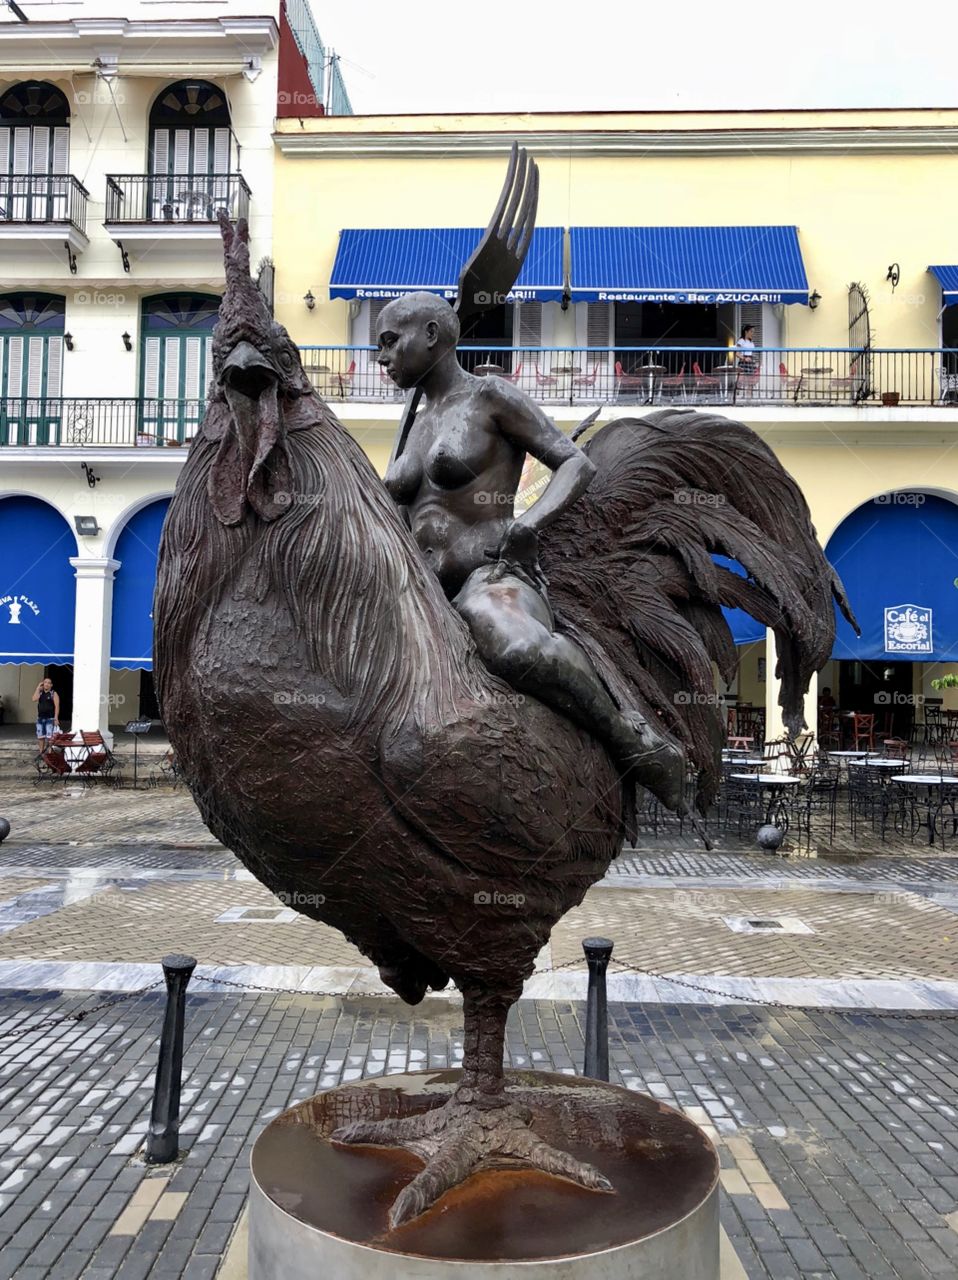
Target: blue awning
[(744, 628), (131, 638), (687, 264), (947, 277), (898, 559), (37, 583), (390, 263)]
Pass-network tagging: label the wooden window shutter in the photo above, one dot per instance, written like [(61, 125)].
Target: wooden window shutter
[(529, 327), (54, 367), (151, 368), (201, 150), (598, 324), (61, 150), (171, 368), (221, 151), (35, 354), (21, 150), (14, 370), (161, 150), (4, 150), (181, 150), (375, 309), (40, 160), (191, 389)]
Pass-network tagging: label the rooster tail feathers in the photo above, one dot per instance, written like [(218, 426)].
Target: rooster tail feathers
[(631, 565)]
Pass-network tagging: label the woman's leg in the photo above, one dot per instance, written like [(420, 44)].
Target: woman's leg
[(512, 626)]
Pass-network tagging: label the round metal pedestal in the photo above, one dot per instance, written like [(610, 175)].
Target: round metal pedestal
[(319, 1209)]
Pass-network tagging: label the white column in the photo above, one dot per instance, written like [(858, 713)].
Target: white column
[(774, 725), (91, 645)]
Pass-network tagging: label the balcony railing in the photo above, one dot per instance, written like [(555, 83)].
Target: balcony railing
[(175, 199), (788, 376), (94, 421), (43, 198)]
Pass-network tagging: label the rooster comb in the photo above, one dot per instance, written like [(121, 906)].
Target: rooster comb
[(242, 292)]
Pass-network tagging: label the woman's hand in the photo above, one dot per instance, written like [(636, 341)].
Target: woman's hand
[(520, 546)]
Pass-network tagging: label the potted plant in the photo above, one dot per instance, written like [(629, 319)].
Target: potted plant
[(890, 398)]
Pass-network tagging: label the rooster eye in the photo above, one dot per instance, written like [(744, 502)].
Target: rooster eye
[(285, 358)]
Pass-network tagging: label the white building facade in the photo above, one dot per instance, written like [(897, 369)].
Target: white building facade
[(121, 140)]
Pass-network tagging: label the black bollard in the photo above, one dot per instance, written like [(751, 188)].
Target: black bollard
[(597, 953), (162, 1140)]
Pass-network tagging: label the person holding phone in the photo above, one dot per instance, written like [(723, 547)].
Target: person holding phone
[(48, 712)]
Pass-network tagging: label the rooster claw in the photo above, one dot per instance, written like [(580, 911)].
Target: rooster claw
[(456, 1139)]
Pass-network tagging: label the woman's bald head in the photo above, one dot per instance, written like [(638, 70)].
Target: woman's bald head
[(420, 309)]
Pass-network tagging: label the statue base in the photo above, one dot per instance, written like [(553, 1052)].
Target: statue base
[(319, 1209)]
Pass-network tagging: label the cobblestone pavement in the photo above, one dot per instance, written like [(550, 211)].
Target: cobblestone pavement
[(837, 1133)]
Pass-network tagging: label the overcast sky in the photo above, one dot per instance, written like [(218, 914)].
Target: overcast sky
[(537, 56)]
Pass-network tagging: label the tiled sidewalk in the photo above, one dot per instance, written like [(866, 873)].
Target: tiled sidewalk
[(837, 1133)]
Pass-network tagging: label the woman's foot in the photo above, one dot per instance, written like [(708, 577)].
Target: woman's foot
[(654, 762)]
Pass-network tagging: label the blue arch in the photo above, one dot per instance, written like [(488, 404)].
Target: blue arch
[(131, 634), (37, 583), (744, 628), (898, 558)]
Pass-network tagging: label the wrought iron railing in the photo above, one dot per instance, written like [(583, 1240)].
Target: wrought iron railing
[(49, 420), (43, 197), (786, 376), (175, 198)]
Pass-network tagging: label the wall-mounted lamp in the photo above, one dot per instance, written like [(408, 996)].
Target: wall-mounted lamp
[(894, 275), (127, 342), (68, 339), (87, 526), (309, 300), (814, 299)]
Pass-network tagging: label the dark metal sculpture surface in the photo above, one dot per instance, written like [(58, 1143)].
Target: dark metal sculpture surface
[(340, 732)]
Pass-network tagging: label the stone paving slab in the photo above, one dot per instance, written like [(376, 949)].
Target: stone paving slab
[(837, 1135), (851, 935), (58, 813)]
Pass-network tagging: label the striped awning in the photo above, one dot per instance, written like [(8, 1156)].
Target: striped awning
[(388, 263), (947, 277), (687, 264)]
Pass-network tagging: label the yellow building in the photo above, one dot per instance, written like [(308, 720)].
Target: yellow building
[(659, 237)]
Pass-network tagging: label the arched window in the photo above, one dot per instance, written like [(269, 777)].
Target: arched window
[(31, 362), (190, 138), (34, 140), (176, 333)]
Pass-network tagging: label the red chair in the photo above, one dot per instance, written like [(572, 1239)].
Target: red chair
[(628, 381), (545, 379), (346, 380), (705, 384), (586, 380), (514, 376), (674, 385), (788, 384)]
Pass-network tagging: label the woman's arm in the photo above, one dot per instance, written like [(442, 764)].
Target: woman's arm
[(56, 708), (522, 421)]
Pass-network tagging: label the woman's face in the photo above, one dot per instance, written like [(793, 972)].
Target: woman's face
[(407, 346)]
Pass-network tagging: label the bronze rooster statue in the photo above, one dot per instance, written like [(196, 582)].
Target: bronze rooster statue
[(340, 734)]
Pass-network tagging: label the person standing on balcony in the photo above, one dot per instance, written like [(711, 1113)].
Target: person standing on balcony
[(48, 712), (745, 348)]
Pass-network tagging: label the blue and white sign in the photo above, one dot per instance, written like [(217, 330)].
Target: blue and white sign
[(908, 629)]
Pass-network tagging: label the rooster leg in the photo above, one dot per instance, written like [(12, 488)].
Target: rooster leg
[(478, 1126)]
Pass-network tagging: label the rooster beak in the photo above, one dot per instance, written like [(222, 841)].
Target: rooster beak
[(247, 371)]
